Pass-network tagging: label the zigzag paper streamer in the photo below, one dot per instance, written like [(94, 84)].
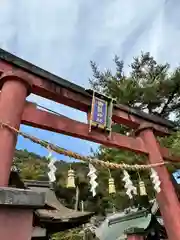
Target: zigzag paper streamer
[(52, 168), (155, 180), (92, 175), (129, 185)]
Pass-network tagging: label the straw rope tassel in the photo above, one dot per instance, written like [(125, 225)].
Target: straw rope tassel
[(71, 179), (112, 188), (142, 187)]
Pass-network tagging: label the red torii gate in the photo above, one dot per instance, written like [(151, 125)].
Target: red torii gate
[(19, 78)]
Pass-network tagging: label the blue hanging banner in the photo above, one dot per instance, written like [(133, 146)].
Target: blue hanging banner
[(101, 111)]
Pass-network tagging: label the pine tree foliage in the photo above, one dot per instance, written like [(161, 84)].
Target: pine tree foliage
[(150, 87)]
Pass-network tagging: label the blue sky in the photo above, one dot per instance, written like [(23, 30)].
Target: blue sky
[(63, 36)]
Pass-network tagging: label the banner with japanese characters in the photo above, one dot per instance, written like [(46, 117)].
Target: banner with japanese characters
[(101, 112)]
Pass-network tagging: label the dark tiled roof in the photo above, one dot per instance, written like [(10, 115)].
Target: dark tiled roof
[(54, 209), (137, 221), (115, 226)]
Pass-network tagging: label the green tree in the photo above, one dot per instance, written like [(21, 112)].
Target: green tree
[(150, 87)]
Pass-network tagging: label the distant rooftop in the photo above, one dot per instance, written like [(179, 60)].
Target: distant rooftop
[(55, 213)]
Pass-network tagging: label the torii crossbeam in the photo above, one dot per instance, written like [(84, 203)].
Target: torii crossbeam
[(20, 78)]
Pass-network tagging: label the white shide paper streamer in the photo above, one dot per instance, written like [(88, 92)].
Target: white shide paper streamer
[(155, 180), (52, 168), (92, 175), (129, 185)]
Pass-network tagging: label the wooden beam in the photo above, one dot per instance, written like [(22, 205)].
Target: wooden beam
[(44, 120), (133, 121), (79, 101), (167, 155)]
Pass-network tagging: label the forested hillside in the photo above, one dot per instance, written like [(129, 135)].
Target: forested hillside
[(32, 166)]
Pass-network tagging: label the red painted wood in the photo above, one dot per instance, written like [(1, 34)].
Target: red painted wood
[(167, 155), (135, 237), (12, 101), (69, 98), (133, 121), (56, 123), (16, 224), (167, 198), (45, 120)]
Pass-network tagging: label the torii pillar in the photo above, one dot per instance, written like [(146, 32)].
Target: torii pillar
[(134, 237), (14, 91), (167, 198), (15, 223)]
